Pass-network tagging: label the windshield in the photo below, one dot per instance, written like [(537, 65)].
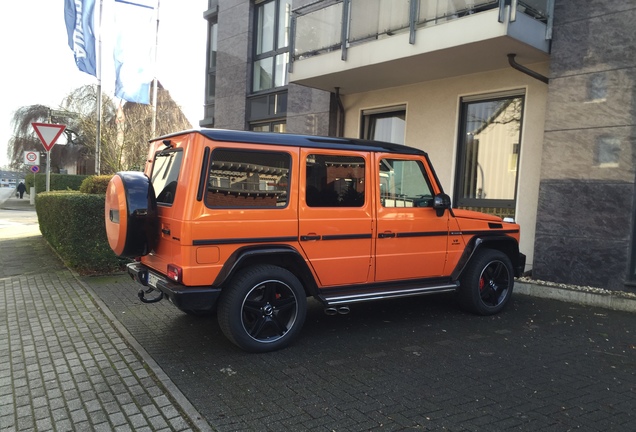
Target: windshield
[(165, 173)]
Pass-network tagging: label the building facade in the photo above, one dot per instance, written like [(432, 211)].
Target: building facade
[(525, 107)]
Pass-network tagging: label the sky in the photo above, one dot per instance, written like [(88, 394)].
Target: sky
[(38, 67)]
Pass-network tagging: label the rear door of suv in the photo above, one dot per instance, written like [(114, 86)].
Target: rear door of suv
[(335, 215)]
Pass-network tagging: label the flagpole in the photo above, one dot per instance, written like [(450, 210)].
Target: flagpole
[(154, 87), (98, 75)]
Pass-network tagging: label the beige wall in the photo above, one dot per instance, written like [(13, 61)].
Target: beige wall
[(432, 120)]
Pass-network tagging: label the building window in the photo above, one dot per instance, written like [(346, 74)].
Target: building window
[(386, 124), (488, 154), (608, 151), (273, 126), (271, 44)]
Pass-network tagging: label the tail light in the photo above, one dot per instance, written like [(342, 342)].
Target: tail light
[(175, 273)]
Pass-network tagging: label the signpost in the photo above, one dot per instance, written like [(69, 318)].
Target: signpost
[(48, 134)]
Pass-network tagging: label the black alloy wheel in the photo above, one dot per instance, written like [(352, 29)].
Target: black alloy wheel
[(263, 309)]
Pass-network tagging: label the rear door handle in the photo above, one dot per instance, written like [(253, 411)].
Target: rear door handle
[(309, 237), (386, 235)]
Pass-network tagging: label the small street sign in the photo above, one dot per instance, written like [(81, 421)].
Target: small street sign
[(31, 158), (48, 133), (35, 169)]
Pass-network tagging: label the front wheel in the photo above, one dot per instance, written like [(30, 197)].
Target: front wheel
[(487, 282), (263, 309)]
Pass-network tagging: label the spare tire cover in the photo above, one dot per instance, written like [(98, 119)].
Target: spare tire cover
[(131, 214)]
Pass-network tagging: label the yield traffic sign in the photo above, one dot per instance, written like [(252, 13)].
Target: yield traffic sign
[(48, 133)]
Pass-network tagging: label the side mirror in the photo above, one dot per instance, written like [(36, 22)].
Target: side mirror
[(441, 202)]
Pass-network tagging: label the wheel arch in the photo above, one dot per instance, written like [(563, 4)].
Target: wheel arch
[(283, 256), (505, 244)]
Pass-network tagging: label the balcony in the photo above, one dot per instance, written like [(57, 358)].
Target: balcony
[(365, 45)]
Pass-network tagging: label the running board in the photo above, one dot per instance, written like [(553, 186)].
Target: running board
[(387, 294)]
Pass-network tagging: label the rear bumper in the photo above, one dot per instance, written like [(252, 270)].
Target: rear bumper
[(198, 298)]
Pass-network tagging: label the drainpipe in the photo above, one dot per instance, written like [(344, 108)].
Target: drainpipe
[(525, 70), (341, 114)]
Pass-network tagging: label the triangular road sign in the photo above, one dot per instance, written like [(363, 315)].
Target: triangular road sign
[(48, 133)]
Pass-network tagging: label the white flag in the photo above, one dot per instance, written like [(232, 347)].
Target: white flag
[(134, 53)]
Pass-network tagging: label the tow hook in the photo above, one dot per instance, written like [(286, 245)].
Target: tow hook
[(141, 294)]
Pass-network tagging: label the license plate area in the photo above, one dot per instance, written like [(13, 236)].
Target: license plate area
[(153, 279)]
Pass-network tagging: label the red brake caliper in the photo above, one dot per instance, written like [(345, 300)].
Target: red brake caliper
[(482, 283)]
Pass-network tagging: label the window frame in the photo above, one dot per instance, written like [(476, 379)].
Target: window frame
[(248, 192), (276, 49), (484, 204), (370, 115)]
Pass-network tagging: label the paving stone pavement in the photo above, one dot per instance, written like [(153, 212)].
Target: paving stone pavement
[(86, 354), (64, 363)]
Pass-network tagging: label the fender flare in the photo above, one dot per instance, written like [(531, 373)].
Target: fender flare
[(284, 256), (506, 244)]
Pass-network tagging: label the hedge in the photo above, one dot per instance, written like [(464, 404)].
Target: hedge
[(59, 182), (95, 184), (73, 224)]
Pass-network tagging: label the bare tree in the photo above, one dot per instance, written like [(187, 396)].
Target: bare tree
[(135, 127), (124, 134), (25, 139)]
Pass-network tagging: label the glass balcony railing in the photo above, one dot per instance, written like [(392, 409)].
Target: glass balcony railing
[(335, 24)]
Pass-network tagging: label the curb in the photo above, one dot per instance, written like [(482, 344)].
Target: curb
[(589, 296)]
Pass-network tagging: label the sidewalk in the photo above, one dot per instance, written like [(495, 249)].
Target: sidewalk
[(68, 364)]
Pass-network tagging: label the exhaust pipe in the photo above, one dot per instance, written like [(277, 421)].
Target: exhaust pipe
[(342, 310), (331, 311)]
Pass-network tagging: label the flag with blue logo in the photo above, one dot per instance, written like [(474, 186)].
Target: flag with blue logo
[(135, 24), (79, 18)]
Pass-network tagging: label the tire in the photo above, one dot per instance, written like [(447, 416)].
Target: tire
[(130, 214), (487, 282), (262, 309)]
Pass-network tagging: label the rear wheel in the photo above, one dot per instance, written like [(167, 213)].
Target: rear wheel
[(263, 309), (486, 284)]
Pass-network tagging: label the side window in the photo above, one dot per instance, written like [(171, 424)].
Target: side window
[(248, 179), (334, 181), (165, 173), (403, 183)]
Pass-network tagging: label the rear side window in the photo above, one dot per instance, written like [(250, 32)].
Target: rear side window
[(165, 172), (245, 178), (334, 181)]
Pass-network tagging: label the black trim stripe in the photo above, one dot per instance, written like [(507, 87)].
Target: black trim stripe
[(481, 232), (346, 236), (422, 234), (207, 242)]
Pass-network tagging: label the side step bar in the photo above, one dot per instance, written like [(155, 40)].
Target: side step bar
[(333, 300)]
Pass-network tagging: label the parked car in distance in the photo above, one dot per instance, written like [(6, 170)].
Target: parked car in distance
[(248, 225)]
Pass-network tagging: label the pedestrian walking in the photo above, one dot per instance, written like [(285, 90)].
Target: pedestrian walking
[(21, 189)]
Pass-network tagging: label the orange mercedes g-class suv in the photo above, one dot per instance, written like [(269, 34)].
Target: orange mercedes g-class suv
[(250, 224)]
